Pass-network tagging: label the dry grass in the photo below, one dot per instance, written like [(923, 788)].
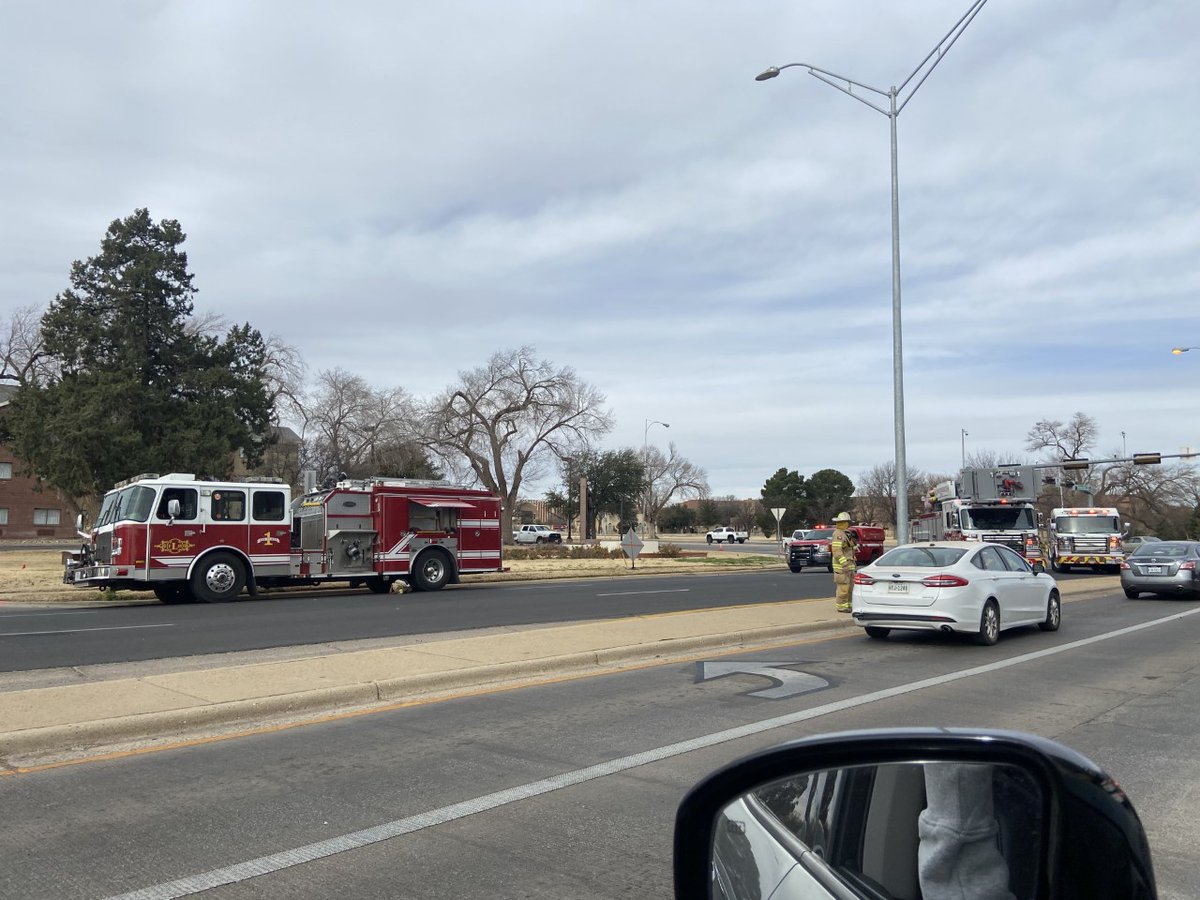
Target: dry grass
[(35, 576)]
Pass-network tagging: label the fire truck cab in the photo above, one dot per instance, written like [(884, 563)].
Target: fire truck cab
[(1086, 536), (992, 505), (190, 539)]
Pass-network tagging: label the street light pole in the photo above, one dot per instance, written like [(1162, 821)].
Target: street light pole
[(646, 460), (893, 111), (964, 447)]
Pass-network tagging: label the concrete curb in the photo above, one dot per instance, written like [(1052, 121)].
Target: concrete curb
[(89, 736)]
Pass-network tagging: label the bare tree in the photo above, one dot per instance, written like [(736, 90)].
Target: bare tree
[(22, 356), (512, 418), (875, 495), (669, 476), (358, 430), (1067, 441), (1153, 497)]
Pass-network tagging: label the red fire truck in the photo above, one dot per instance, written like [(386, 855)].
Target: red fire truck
[(189, 539)]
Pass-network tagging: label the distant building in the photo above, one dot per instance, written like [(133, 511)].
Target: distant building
[(280, 460), (29, 508)]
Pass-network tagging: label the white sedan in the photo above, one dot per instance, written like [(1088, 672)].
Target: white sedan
[(954, 586)]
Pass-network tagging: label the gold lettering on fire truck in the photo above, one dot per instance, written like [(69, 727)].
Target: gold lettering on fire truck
[(267, 539), (174, 545)]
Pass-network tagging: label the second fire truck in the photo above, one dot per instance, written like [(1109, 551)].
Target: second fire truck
[(190, 539), (992, 505), (1086, 536)]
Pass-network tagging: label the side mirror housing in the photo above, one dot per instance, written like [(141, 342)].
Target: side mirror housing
[(1038, 567), (173, 508), (900, 812)]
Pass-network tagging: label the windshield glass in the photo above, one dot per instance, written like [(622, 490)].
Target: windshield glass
[(1087, 525), (1162, 548), (819, 534), (128, 504), (998, 518), (106, 508), (924, 557)]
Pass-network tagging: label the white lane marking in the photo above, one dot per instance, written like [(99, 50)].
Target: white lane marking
[(57, 612), (636, 593), (80, 630), (265, 865)]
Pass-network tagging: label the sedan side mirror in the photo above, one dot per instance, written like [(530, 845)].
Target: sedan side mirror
[(910, 813), (1038, 567)]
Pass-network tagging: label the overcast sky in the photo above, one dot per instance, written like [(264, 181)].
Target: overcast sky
[(400, 189)]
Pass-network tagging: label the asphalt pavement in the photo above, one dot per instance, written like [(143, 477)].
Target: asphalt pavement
[(105, 708)]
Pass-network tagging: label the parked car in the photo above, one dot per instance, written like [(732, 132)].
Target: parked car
[(1132, 542), (1162, 567), (800, 534), (911, 812), (813, 548), (954, 586), (537, 534)]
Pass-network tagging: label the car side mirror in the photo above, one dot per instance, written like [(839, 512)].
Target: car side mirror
[(1038, 568), (904, 812)]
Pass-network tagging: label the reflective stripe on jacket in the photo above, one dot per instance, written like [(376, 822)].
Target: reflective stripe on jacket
[(841, 546)]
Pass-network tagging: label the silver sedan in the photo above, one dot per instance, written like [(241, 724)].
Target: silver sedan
[(1163, 567)]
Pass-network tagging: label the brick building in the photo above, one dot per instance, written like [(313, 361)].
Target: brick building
[(28, 508)]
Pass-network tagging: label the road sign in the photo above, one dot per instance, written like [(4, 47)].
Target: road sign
[(632, 545)]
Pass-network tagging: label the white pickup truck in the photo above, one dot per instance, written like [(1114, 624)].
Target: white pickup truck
[(537, 534), (727, 535)]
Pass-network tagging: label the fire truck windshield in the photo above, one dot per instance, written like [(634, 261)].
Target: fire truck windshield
[(128, 504), (1087, 525), (998, 518)]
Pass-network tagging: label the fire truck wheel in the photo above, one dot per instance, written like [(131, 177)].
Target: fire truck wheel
[(431, 572), (379, 585), (218, 579), (989, 624), (173, 593)]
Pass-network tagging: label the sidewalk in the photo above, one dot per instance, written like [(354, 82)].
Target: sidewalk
[(114, 706)]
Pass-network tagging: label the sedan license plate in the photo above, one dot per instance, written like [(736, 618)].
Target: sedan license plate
[(897, 587), (1154, 570)]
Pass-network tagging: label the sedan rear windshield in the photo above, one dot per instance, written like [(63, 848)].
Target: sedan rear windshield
[(924, 557), (1163, 548)]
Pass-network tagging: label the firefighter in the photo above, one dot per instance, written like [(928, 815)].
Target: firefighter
[(842, 547)]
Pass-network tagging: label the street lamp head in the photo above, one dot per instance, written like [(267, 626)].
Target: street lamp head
[(768, 74), (1179, 350)]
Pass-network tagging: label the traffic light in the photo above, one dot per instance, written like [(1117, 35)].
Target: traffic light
[(1074, 465), (1147, 459)]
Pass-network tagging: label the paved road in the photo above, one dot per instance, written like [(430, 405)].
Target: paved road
[(39, 638), (50, 638), (1131, 702)]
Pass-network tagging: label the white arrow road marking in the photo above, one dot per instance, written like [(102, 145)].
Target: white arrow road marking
[(788, 682)]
